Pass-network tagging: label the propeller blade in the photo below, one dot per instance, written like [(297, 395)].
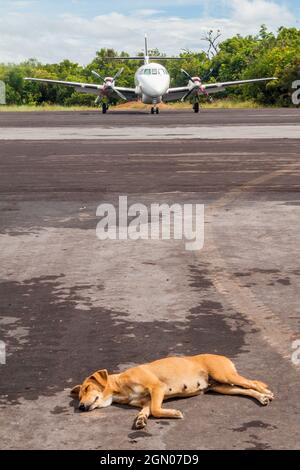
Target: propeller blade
[(97, 75), (118, 74), (119, 94), (187, 75), (188, 93), (208, 74)]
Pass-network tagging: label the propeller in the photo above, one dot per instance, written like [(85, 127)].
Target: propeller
[(196, 82), (192, 80), (112, 86)]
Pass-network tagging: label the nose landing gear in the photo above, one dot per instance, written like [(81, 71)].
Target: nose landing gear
[(154, 110), (104, 108)]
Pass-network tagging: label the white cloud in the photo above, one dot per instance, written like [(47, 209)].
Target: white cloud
[(259, 11), (25, 35)]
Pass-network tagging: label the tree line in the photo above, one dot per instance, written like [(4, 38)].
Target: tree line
[(265, 54)]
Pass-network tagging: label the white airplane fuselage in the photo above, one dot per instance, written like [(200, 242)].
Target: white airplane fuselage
[(152, 81)]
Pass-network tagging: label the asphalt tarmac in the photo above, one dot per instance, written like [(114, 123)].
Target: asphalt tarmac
[(139, 118), (71, 304)]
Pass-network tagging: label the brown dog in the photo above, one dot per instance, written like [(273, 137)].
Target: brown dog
[(148, 385)]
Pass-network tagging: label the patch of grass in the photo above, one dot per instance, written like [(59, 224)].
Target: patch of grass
[(231, 104), (45, 108)]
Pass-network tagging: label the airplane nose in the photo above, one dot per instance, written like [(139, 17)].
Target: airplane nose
[(154, 88)]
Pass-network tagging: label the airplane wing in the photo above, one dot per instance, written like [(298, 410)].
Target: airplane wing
[(215, 87), (175, 94), (96, 89)]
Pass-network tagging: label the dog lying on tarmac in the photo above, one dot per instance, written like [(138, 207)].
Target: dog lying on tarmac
[(148, 385)]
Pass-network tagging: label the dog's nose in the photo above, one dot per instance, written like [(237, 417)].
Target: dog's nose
[(82, 407)]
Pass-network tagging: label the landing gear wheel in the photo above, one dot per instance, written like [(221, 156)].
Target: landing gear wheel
[(104, 108), (196, 107), (152, 110), (157, 110)]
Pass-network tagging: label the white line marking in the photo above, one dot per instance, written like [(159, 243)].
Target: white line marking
[(150, 133)]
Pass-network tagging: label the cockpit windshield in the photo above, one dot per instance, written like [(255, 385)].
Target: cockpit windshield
[(153, 71)]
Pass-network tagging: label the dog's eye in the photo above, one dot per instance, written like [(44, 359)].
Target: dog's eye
[(97, 398)]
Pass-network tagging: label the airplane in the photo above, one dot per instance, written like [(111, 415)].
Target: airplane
[(152, 85)]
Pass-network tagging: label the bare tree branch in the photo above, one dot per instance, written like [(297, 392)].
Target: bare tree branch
[(212, 38)]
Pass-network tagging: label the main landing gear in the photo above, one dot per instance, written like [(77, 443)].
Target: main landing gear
[(154, 110), (104, 108), (196, 107)]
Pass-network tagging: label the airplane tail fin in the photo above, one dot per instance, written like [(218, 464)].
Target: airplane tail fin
[(146, 46), (145, 57)]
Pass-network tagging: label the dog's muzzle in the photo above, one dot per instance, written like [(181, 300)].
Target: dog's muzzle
[(82, 407)]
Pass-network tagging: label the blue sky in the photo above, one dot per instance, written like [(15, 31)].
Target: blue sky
[(75, 29), (91, 8)]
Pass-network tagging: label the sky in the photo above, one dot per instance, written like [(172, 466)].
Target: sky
[(54, 30)]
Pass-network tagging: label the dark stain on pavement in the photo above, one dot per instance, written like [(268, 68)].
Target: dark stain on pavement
[(64, 343), (284, 281), (254, 424), (257, 445), (59, 410), (199, 277), (256, 270), (137, 434), (208, 320)]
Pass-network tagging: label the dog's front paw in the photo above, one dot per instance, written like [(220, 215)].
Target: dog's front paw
[(178, 414), (140, 422)]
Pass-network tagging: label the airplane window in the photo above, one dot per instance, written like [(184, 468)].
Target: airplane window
[(154, 71), (147, 71)]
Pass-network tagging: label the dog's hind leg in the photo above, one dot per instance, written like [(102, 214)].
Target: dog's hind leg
[(222, 370), (157, 397), (236, 379), (263, 398), (140, 421)]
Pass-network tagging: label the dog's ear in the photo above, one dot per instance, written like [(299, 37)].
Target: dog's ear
[(75, 391), (101, 377)]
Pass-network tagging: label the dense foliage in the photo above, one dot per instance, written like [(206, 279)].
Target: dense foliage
[(265, 54)]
